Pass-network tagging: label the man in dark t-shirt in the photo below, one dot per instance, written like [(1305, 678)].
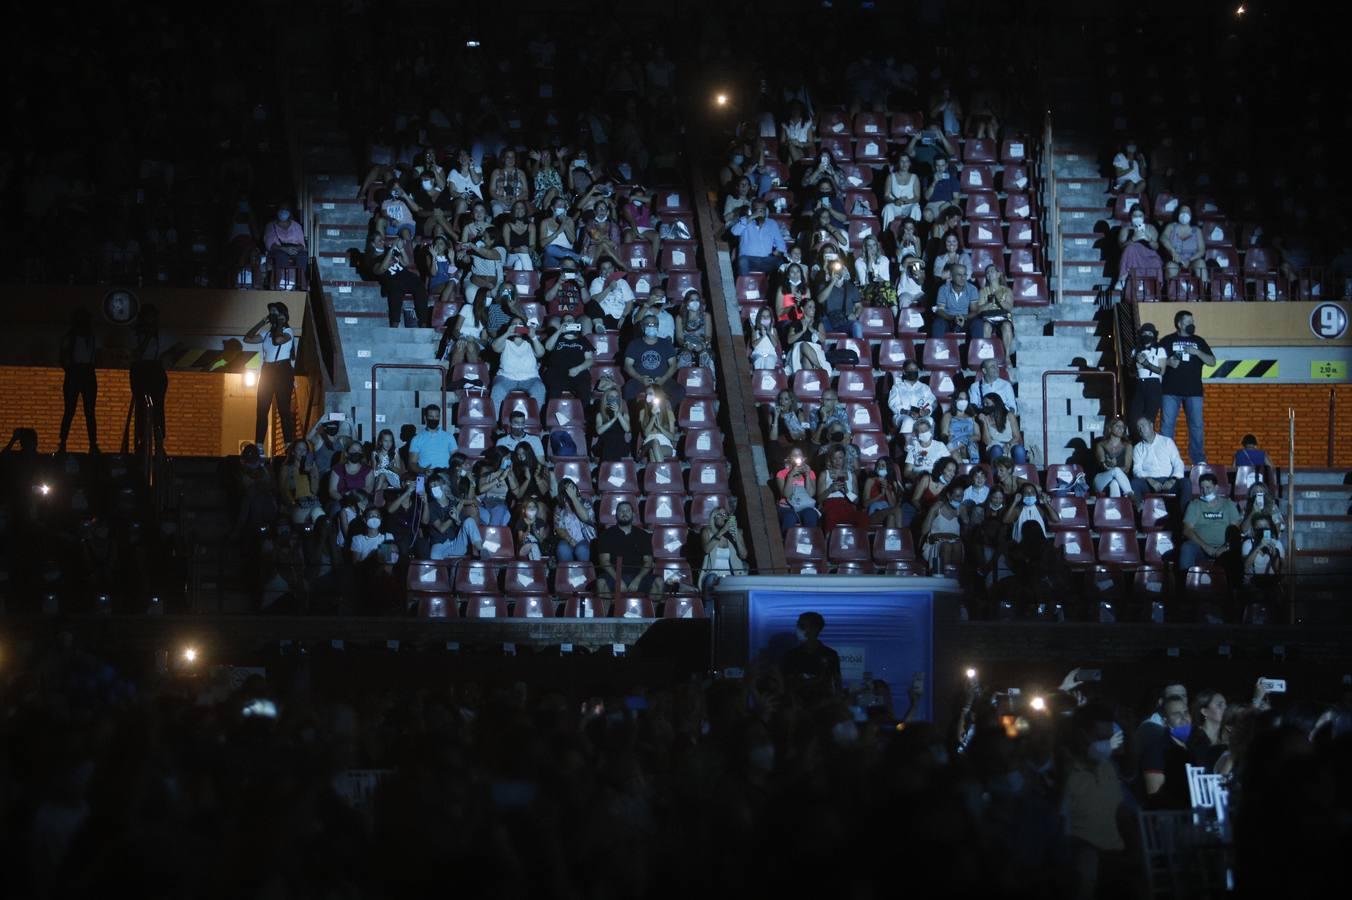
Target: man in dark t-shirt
[(1164, 763), (651, 360), (811, 667), (568, 359), (629, 547), (1185, 354)]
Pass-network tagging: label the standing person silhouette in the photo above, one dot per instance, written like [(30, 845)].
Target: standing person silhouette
[(277, 379), (78, 347), (811, 667), (149, 381)]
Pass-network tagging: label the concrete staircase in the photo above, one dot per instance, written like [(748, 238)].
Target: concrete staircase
[(364, 336)]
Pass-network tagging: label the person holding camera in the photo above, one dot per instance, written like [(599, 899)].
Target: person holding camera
[(392, 265), (558, 234), (568, 360), (78, 348), (1150, 361), (760, 244), (841, 302), (277, 378), (797, 485), (724, 550)]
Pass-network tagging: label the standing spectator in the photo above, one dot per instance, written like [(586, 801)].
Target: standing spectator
[(574, 525), (624, 554), (1207, 524), (431, 449), (1249, 454), (284, 243), (1207, 741), (841, 303), (1091, 798), (811, 668), (990, 382), (1156, 466), (954, 301), (519, 351), (1151, 360), (760, 244), (650, 361), (149, 381), (797, 493), (276, 379), (1182, 383), (1164, 762), (78, 349)]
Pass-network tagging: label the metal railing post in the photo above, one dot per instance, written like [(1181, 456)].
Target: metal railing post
[(1291, 555)]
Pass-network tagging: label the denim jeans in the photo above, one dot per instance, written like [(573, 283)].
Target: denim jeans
[(1192, 406), (569, 553), (940, 327), (504, 386), (554, 255), (791, 518), (1182, 490), (746, 265), (998, 450), (457, 544)]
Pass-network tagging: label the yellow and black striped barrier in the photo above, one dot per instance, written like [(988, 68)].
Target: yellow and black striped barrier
[(1242, 369)]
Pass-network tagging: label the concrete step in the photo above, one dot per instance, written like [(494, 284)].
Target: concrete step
[(343, 211), (1332, 479), (339, 183), (359, 375), (1313, 565), (1059, 343), (1324, 532), (1081, 218), (1037, 360), (1326, 506), (1076, 165)]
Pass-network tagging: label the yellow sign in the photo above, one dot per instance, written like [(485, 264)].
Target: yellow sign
[(1329, 369)]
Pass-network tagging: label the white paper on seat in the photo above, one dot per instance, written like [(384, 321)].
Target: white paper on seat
[(662, 477), (1067, 512), (946, 384), (636, 262), (809, 569), (673, 201), (984, 208), (664, 506), (846, 540), (1021, 182), (837, 126), (492, 546), (1112, 513), (860, 416), (892, 543), (695, 379), (871, 149), (522, 289), (697, 413), (914, 319), (753, 293), (488, 609), (524, 579), (476, 576), (678, 257), (983, 233), (870, 451), (1165, 543), (1223, 262), (708, 476), (1154, 587), (476, 440), (1216, 234), (428, 576), (616, 478), (687, 611), (576, 579), (587, 611), (672, 545), (866, 231), (870, 128), (642, 286), (1016, 150), (941, 351), (1022, 211), (534, 610), (560, 418), (702, 442), (1029, 290), (1171, 205), (854, 181), (803, 548), (1072, 548), (985, 351)]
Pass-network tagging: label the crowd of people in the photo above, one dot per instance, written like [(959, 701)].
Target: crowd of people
[(194, 786)]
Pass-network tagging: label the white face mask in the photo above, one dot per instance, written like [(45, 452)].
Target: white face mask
[(924, 437), (961, 404), (427, 185), (1138, 221), (373, 522), (1208, 496), (1185, 218), (438, 492), (530, 515), (602, 217)]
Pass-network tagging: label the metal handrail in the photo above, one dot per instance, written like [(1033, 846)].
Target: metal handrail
[(1077, 373), (375, 386), (1289, 564)]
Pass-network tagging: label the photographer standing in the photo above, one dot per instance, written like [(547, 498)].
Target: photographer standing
[(277, 377)]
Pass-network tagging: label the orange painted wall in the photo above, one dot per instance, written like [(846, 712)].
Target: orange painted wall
[(1234, 410), (31, 397)]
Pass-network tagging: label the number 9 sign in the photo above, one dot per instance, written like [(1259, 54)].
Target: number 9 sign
[(1328, 321)]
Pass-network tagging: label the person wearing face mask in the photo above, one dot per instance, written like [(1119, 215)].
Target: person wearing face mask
[(926, 451), (284, 244), (450, 527), (637, 218), (988, 535), (1150, 360), (1140, 243), (519, 352), (1091, 798), (1031, 506), (433, 206), (568, 359), (352, 474), (436, 263), (1208, 526), (533, 532), (1164, 763), (910, 399), (362, 545), (811, 669), (764, 350), (941, 531), (1261, 503), (793, 293), (650, 361), (557, 235), (1181, 383), (1184, 247), (612, 299), (517, 435), (882, 494), (760, 243), (655, 306), (1129, 170), (431, 449), (961, 430), (519, 237), (942, 191), (692, 334)]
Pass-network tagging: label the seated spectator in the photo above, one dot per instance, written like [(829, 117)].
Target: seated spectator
[(1005, 478), (941, 532), (760, 244), (1184, 247), (765, 350), (792, 294), (298, 484), (798, 134), (398, 510), (492, 489), (692, 334), (911, 283), (1251, 455), (1112, 453), (1140, 244), (396, 212), (558, 235), (655, 305), (438, 266), (1261, 502), (479, 224), (533, 533), (925, 452), (797, 485), (601, 235), (387, 469), (650, 361), (519, 239), (284, 243), (574, 525), (961, 430), (840, 303), (737, 204), (362, 545), (724, 551), (827, 243), (882, 494), (545, 176), (466, 336), (569, 296), (949, 221), (519, 351), (657, 427), (433, 204), (529, 477), (975, 489), (930, 484), (1032, 507), (1000, 433), (1264, 555), (624, 556), (487, 261), (352, 474), (955, 298), (612, 428), (910, 399), (805, 337), (873, 273), (901, 192), (568, 360), (909, 245), (788, 424), (391, 264), (987, 535), (990, 382), (1129, 170), (507, 185), (828, 414), (838, 492), (1210, 524), (993, 310), (517, 435), (431, 449), (449, 527), (1156, 467), (736, 166), (351, 509), (465, 180), (612, 299), (824, 169), (942, 191)]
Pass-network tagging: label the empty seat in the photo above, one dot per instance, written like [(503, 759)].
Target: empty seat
[(808, 384), (1155, 512), (475, 408), (485, 607), (981, 349), (942, 352), (979, 150), (857, 175), (910, 321), (752, 288), (1076, 546), (1018, 205), (1014, 150), (877, 322), (983, 256), (1164, 207), (985, 233), (1123, 204), (1061, 474), (1224, 258), (1159, 547), (669, 541), (858, 345), (637, 255), (832, 121), (860, 202), (573, 578), (605, 346), (1114, 512), (632, 606), (1023, 261), (532, 606), (703, 443), (1071, 512), (976, 178), (427, 576), (1246, 477), (1026, 472), (870, 124), (864, 415), (576, 471), (906, 125), (696, 412), (982, 205), (860, 228), (664, 509), (1205, 583), (475, 439), (1149, 583), (684, 606), (497, 543), (893, 545), (436, 606), (707, 476), (522, 577), (565, 412), (1117, 546), (893, 353), (870, 149), (944, 384), (526, 282), (605, 514), (1015, 177), (641, 282), (679, 283), (675, 575), (767, 383), (475, 576), (1030, 290), (840, 148), (1219, 234), (847, 543), (697, 381), (872, 445), (804, 545), (855, 383), (1021, 233), (677, 259), (672, 200)]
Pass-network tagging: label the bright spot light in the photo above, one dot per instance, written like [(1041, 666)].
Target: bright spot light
[(250, 378), (971, 673), (471, 44), (721, 99), (44, 489), (1240, 10), (1038, 704), (190, 654)]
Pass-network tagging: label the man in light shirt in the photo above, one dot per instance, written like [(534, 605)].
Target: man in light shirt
[(990, 382), (910, 399), (1156, 466), (760, 244), (432, 447), (612, 299), (925, 452)]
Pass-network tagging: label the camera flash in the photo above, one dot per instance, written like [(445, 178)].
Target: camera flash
[(190, 654), (721, 99), (1038, 704), (44, 489), (971, 673)]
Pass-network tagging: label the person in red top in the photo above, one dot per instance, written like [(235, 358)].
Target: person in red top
[(284, 243), (797, 493)]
